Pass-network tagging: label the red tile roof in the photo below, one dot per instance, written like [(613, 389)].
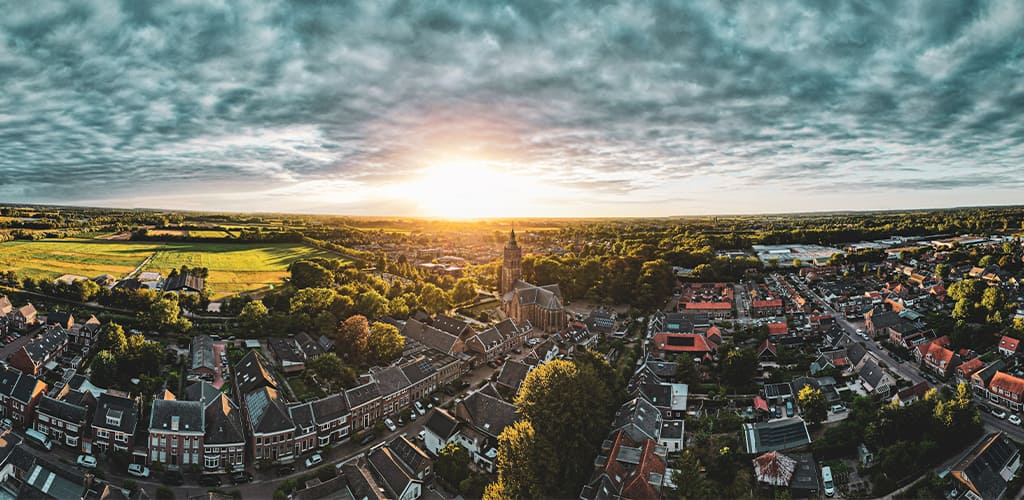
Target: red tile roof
[(633, 483), (938, 356), (1007, 383), (942, 341), (778, 328), (766, 303), (682, 342), (760, 403), (716, 306), (969, 368), (1009, 343)]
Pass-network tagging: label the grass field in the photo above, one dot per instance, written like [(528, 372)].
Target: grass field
[(233, 267)]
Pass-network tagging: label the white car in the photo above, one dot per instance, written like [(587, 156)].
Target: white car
[(87, 461), (314, 460), (419, 408), (422, 435), (138, 470), (1014, 419), (390, 425), (1000, 414), (860, 331)]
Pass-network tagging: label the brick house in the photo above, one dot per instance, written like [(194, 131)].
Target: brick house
[(364, 403), (1008, 346), (64, 420), (46, 347), (23, 318), (113, 423), (1006, 390), (19, 394), (176, 433)]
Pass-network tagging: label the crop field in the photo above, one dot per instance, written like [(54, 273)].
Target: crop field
[(233, 267)]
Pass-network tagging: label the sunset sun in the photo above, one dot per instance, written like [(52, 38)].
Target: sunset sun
[(465, 189)]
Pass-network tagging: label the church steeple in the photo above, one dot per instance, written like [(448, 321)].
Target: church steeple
[(511, 265)]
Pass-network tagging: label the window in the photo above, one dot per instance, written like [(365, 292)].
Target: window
[(156, 442), (100, 433), (174, 441), (123, 438)]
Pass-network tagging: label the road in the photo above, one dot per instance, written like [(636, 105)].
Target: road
[(905, 370)]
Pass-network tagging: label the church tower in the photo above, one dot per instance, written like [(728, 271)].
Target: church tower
[(511, 266)]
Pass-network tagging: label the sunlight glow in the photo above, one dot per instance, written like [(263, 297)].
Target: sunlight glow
[(467, 189)]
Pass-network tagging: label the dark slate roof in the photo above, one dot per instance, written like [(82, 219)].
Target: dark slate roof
[(186, 281), (408, 454), (429, 336), (358, 484), (267, 413), (253, 372), (394, 477), (658, 394), (441, 423), (25, 388), (489, 414), (311, 348), (639, 419), (450, 325), (546, 297), (201, 391), (884, 319), (116, 406), (418, 370), (512, 374), (8, 379), (391, 380), (202, 353), (50, 340), (79, 398), (981, 468), (330, 408), (223, 422), (871, 373), (776, 435), (855, 352), (672, 429), (302, 416), (62, 410), (358, 396), (168, 413), (62, 318)]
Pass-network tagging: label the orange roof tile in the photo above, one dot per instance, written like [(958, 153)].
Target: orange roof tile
[(1007, 382), (1009, 343), (777, 328)]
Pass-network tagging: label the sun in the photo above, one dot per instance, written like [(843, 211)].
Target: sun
[(466, 189)]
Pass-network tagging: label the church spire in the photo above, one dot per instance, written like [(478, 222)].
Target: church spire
[(512, 238)]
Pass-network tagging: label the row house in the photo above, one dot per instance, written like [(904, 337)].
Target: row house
[(433, 338), (422, 377), (271, 428), (114, 423), (981, 378), (305, 428), (320, 423), (34, 356), (364, 403), (766, 308), (22, 318), (176, 430), (65, 420), (81, 334), (394, 389), (223, 435), (714, 310), (499, 339), (1007, 390), (19, 394)]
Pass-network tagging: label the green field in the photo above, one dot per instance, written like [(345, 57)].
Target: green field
[(233, 267)]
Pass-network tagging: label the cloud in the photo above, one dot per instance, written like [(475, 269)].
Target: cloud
[(612, 103)]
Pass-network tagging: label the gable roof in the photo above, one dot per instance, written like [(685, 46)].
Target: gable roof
[(1009, 343), (408, 454), (1007, 383), (62, 410), (639, 419), (176, 416), (970, 367), (186, 281), (252, 372), (120, 408), (393, 475), (489, 414), (779, 434), (429, 336), (49, 341), (872, 374), (778, 328), (201, 391), (512, 374), (682, 342), (267, 412), (358, 396), (223, 422), (441, 423), (330, 408), (450, 325), (391, 380), (631, 469), (981, 470), (202, 352)]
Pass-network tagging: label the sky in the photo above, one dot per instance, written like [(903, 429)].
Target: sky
[(527, 108)]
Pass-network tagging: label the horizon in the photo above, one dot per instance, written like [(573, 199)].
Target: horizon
[(504, 111)]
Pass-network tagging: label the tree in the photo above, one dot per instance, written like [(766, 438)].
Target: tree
[(433, 299), (962, 310), (518, 464), (164, 314), (812, 403), (688, 479), (84, 290), (330, 370), (738, 367), (371, 304), (552, 398), (112, 338), (942, 271), (987, 260), (656, 282), (452, 464), (254, 316), (384, 343), (311, 301), (353, 337), (306, 274), (104, 369), (993, 299), (966, 289), (704, 272), (686, 370), (464, 291)]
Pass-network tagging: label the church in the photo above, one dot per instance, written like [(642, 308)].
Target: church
[(522, 301)]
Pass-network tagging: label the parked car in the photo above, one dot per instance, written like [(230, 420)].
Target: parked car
[(286, 469), (1000, 414), (367, 438), (209, 480), (412, 416), (838, 408), (314, 460), (138, 470), (87, 461), (436, 400), (1014, 419), (173, 478), (419, 407), (422, 436), (390, 425), (517, 350), (7, 424), (241, 477)]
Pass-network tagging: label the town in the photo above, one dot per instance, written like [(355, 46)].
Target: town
[(863, 368)]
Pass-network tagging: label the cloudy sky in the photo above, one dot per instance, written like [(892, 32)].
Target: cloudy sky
[(525, 108)]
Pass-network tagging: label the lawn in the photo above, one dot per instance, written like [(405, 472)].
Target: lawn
[(234, 267)]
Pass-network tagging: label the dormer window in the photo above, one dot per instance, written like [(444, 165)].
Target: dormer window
[(114, 417)]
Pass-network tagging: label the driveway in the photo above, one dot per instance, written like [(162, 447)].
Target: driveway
[(9, 349)]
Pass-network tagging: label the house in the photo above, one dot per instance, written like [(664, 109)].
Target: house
[(25, 474), (84, 334), (874, 379), (440, 430), (270, 426), (1006, 390), (512, 375), (805, 481), (389, 472), (327, 417), (23, 318), (223, 434), (774, 469), (64, 420), (939, 359), (767, 308), (714, 334), (767, 351), (777, 329), (364, 403), (41, 352), (669, 399), (639, 419), (911, 394), (288, 355), (114, 422), (5, 306), (498, 340), (484, 417), (176, 431), (394, 387), (922, 349), (969, 368), (988, 468), (184, 283), (981, 378), (20, 394), (201, 355), (1008, 346), (601, 321), (63, 318), (432, 337), (876, 321), (627, 468), (776, 435), (677, 343)]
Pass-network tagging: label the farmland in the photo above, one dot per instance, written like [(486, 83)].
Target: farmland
[(233, 267)]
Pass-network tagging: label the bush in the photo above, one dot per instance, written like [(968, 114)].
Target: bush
[(164, 493)]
